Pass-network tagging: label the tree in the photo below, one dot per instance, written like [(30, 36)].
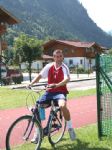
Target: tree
[(27, 49), (110, 51), (9, 55)]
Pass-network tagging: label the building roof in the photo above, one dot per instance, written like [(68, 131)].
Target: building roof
[(7, 17), (47, 57), (72, 43), (78, 43)]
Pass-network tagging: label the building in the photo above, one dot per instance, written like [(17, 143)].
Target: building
[(39, 64), (6, 18), (76, 52)]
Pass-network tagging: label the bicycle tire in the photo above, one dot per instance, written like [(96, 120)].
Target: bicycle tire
[(57, 127), (31, 99), (16, 137)]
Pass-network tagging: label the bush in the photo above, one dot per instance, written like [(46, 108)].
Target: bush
[(80, 70), (89, 71), (6, 80), (17, 79)]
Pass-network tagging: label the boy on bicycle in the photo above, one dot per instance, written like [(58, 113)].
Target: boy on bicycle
[(58, 76)]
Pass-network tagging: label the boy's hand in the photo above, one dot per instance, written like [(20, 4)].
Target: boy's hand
[(28, 86), (50, 86)]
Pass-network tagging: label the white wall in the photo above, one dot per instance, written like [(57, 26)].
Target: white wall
[(3, 70), (35, 65), (77, 61)]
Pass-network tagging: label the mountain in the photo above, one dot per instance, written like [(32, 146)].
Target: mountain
[(59, 19), (110, 32)]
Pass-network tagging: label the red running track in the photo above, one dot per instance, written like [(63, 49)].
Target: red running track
[(83, 112)]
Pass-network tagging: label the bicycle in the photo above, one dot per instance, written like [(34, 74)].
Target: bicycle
[(22, 129)]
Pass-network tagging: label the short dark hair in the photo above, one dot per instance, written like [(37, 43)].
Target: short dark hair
[(57, 51)]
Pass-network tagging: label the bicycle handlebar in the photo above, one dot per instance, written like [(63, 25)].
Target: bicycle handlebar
[(24, 86)]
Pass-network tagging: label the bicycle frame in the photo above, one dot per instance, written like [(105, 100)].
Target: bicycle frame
[(53, 113), (35, 116)]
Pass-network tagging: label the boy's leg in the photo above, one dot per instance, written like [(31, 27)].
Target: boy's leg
[(35, 136), (42, 117), (66, 114)]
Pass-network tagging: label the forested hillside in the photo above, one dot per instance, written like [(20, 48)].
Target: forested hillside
[(59, 19)]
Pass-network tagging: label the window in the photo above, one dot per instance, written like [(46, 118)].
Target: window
[(49, 52), (90, 61), (73, 50), (65, 51), (71, 62), (92, 49), (81, 61), (87, 50)]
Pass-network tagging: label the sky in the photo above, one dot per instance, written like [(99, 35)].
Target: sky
[(100, 11)]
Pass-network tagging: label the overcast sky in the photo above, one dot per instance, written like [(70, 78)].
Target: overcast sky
[(100, 11)]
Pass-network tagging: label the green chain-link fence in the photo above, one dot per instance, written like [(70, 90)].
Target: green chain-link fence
[(104, 94)]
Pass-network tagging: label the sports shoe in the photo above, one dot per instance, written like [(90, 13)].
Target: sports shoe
[(35, 137), (34, 140), (72, 134)]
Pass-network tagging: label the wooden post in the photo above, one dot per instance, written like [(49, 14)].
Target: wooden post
[(0, 61)]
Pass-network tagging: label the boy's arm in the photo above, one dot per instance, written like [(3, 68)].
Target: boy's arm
[(36, 79)]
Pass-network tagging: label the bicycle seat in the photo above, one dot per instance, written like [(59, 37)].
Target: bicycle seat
[(48, 103)]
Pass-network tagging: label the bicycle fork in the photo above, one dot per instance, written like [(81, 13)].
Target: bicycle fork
[(30, 124), (29, 129), (56, 126)]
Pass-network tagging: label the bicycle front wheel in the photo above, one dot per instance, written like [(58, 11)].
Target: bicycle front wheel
[(57, 127), (21, 132)]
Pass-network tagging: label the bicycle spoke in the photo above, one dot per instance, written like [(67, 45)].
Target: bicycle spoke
[(20, 134), (56, 128)]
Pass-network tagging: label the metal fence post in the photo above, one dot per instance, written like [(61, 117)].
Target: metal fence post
[(98, 92), (0, 62)]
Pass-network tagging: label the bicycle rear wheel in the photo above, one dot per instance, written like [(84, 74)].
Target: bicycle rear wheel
[(57, 127), (21, 132)]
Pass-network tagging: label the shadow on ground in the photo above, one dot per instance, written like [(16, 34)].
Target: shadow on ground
[(79, 145)]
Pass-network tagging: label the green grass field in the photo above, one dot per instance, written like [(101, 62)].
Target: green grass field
[(87, 137), (17, 98)]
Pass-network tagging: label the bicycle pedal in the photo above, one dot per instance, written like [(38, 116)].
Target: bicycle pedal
[(45, 131)]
